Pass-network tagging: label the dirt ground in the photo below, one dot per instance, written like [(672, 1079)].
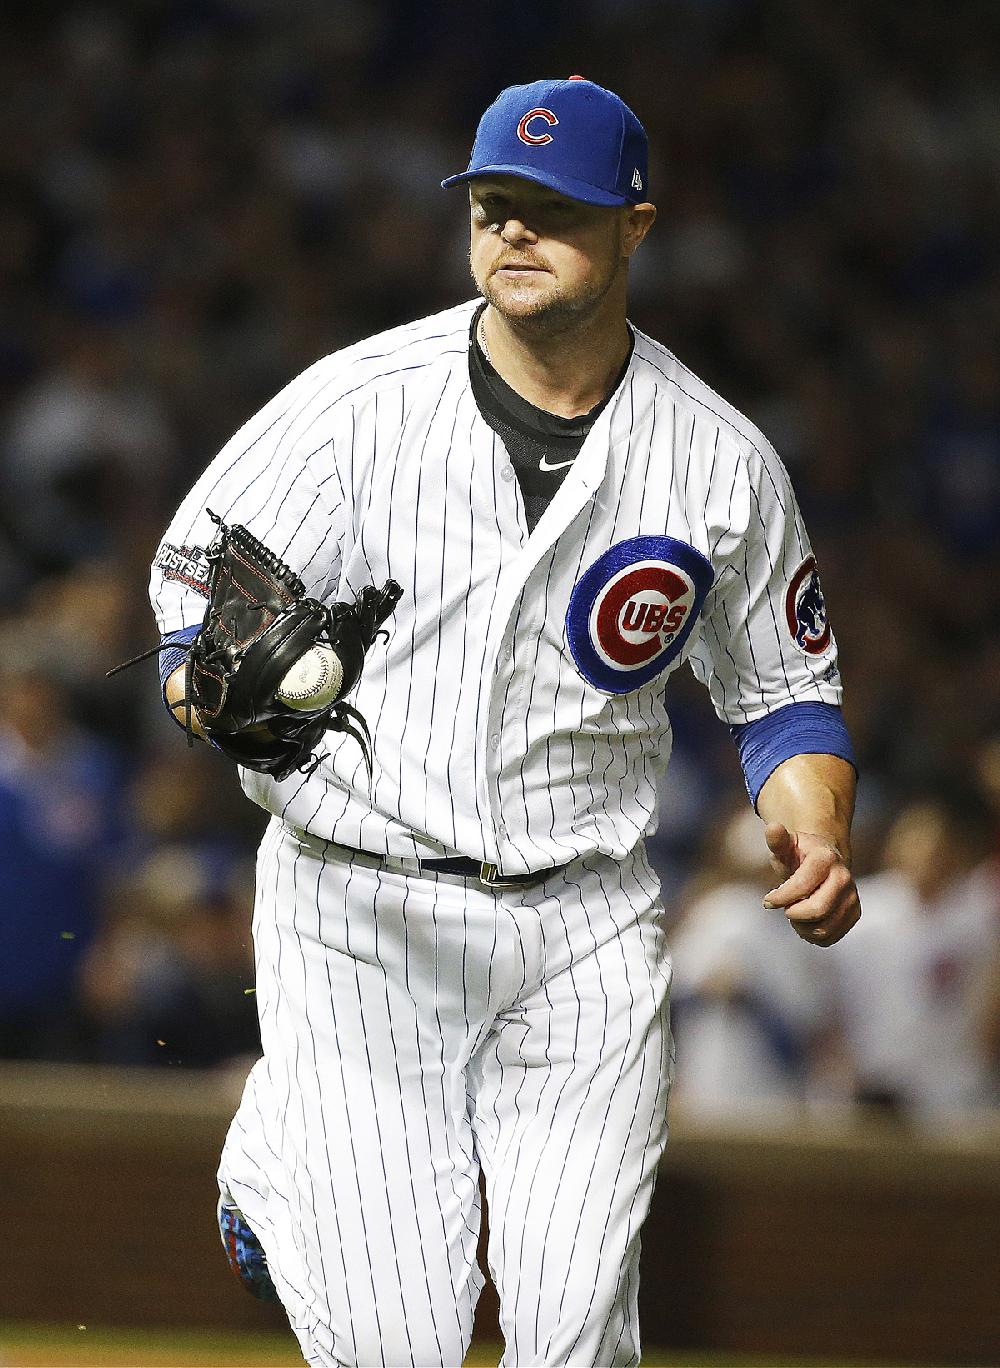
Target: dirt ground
[(24, 1346)]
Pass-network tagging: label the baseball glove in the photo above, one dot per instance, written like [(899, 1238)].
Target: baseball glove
[(258, 623)]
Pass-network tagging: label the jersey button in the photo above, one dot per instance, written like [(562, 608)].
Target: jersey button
[(507, 474), (495, 741)]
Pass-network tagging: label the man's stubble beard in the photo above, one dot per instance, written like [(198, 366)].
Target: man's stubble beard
[(559, 312)]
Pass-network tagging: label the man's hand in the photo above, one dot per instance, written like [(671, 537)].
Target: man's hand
[(818, 893), (174, 691), (807, 803), (174, 694)]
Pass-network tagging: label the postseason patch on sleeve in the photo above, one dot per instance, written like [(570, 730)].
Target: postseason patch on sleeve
[(186, 564)]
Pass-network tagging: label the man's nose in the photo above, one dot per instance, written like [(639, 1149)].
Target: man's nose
[(516, 230)]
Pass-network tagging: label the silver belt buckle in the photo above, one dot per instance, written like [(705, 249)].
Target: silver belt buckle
[(491, 877)]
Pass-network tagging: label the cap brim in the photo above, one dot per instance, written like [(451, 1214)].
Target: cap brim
[(565, 185)]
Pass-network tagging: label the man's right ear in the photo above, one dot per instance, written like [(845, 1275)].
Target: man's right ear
[(638, 221)]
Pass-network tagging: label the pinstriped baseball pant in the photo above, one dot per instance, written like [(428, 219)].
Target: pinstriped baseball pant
[(415, 1028)]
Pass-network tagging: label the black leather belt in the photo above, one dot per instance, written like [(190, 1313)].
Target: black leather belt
[(487, 874), (460, 865)]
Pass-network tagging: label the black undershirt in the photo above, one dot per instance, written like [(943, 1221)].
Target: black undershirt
[(542, 446)]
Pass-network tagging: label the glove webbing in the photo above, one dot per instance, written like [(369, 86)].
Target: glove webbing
[(261, 555)]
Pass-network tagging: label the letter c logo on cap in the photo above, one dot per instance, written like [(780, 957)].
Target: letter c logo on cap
[(536, 139)]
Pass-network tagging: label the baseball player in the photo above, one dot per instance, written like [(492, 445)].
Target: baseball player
[(461, 966)]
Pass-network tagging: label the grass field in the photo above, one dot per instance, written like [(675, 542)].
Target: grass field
[(23, 1346)]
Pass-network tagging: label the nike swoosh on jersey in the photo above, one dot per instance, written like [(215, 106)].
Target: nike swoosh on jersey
[(545, 464)]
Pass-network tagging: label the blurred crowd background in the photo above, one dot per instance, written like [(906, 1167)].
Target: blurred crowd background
[(200, 197)]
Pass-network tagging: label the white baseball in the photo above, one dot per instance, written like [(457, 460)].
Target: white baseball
[(314, 680)]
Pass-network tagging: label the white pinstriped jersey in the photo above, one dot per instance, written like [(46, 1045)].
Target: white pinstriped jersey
[(498, 732)]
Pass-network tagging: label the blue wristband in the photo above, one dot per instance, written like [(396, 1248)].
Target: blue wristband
[(796, 729), (172, 659)]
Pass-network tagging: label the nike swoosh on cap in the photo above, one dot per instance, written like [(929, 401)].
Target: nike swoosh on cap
[(546, 464)]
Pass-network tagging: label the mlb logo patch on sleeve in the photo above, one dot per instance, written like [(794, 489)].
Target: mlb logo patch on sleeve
[(633, 609)]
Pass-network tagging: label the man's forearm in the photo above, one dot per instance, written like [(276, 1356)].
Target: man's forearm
[(813, 793)]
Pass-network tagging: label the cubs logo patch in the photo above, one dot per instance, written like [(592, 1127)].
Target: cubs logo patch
[(633, 609), (536, 139), (805, 610)]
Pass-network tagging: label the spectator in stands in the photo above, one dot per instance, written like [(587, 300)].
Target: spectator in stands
[(749, 999), (60, 791), (916, 993), (169, 979)]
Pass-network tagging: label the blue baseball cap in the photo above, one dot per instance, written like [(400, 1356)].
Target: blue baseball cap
[(573, 136)]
